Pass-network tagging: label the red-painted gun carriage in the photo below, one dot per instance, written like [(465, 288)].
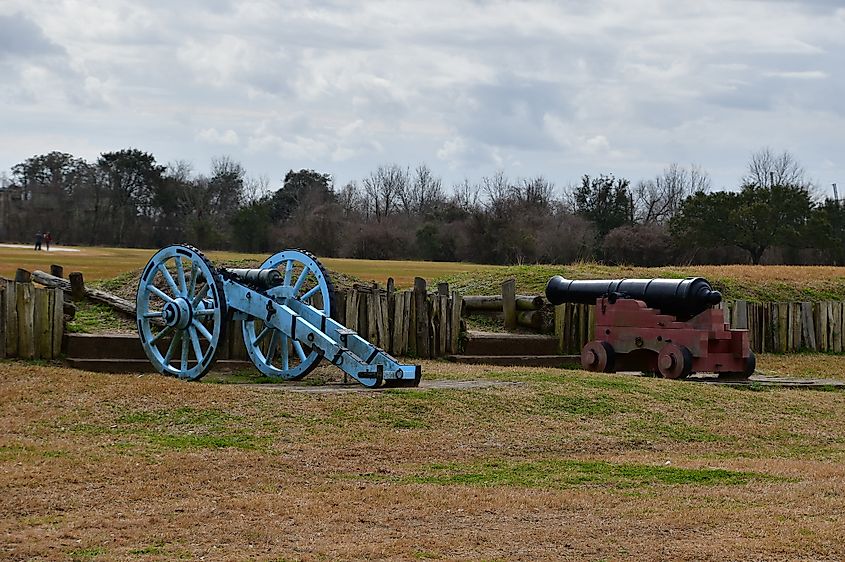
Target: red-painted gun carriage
[(667, 326)]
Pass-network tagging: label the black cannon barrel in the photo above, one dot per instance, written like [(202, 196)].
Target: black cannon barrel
[(683, 298), (261, 278)]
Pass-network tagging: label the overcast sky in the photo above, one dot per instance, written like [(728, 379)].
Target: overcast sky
[(553, 88)]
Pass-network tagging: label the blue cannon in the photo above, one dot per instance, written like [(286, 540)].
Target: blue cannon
[(184, 303)]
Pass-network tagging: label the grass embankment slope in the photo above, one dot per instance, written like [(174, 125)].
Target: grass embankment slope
[(758, 283), (560, 465)]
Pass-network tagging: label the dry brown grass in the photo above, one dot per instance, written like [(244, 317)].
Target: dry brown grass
[(122, 467)]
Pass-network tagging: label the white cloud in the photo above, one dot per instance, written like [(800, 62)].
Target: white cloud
[(213, 136)]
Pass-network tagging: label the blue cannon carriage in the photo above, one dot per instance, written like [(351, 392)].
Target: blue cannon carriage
[(184, 303)]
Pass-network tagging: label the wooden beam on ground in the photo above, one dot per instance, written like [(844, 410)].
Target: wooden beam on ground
[(118, 303)]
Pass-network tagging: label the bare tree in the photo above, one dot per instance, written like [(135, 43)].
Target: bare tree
[(534, 193), (656, 201), (466, 196), (351, 200), (383, 188), (423, 193), (766, 168), (254, 189), (496, 190)]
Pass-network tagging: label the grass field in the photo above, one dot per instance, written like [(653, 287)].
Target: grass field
[(555, 465), (755, 283), (103, 263)]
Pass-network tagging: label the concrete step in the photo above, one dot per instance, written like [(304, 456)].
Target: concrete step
[(101, 365), (558, 361), (492, 343)]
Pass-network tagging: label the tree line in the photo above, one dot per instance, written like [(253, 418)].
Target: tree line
[(126, 198)]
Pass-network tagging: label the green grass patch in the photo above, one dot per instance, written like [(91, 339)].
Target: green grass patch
[(178, 429), (94, 318), (560, 474), (655, 429), (11, 452), (86, 553), (552, 404)]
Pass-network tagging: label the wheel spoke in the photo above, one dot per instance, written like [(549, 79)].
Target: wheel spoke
[(309, 293), (195, 340), (271, 350), (299, 351), (202, 330), (184, 363), (261, 335), (161, 334), (193, 286), (171, 349), (199, 296), (288, 270), (300, 280), (159, 293), (285, 351), (169, 278), (180, 276)]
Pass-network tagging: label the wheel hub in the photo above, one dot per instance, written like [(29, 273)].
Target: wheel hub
[(178, 313)]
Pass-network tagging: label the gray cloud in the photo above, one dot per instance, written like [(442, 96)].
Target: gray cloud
[(21, 37), (558, 88)]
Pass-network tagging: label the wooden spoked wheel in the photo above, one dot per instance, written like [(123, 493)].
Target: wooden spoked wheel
[(180, 310), (304, 279)]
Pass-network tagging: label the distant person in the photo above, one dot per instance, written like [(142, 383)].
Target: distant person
[(47, 240), (38, 238)]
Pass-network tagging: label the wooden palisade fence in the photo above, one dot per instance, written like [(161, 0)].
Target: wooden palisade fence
[(412, 322), (777, 327), (32, 322)]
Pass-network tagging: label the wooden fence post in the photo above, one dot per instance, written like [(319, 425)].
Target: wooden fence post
[(421, 321), (560, 319), (808, 332), (509, 303), (740, 315), (11, 314), (391, 316), (57, 270), (42, 324), (455, 321), (57, 314), (2, 318), (25, 305), (77, 286)]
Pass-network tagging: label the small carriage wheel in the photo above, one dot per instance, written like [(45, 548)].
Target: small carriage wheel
[(180, 310), (749, 366), (598, 356), (674, 361), (304, 279)]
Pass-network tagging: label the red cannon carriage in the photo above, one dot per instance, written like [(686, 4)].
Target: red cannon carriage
[(668, 326)]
